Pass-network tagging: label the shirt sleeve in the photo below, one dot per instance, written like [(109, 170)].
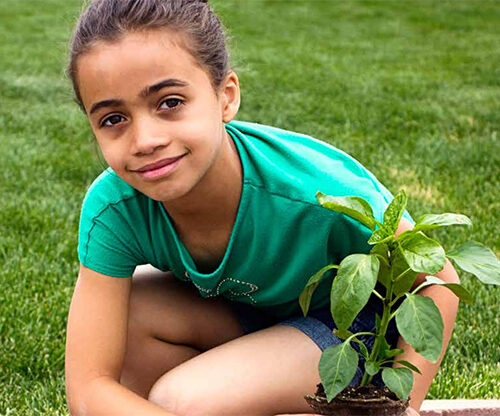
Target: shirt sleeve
[(105, 243)]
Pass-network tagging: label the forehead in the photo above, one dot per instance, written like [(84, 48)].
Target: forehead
[(125, 66)]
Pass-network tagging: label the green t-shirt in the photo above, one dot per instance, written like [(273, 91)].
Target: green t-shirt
[(281, 235)]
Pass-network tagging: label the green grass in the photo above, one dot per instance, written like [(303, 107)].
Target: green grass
[(410, 89)]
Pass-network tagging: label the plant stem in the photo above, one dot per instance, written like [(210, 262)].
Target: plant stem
[(402, 274), (384, 323), (396, 299), (383, 259), (357, 334)]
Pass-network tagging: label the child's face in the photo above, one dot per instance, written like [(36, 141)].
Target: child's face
[(147, 101)]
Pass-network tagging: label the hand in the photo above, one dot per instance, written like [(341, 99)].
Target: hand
[(411, 412)]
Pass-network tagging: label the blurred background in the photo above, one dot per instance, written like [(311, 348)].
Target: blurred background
[(411, 89)]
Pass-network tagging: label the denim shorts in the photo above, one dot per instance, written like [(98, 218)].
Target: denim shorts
[(318, 325)]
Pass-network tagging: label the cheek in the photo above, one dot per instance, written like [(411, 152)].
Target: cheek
[(113, 156), (196, 136), (191, 129), (205, 147)]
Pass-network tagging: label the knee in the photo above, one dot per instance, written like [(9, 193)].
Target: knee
[(177, 396), (167, 395)]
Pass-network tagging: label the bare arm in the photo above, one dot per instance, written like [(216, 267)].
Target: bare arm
[(447, 304), (95, 349)]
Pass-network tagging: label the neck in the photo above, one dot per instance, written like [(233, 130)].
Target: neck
[(214, 201)]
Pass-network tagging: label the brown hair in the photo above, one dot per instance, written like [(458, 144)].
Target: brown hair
[(107, 20)]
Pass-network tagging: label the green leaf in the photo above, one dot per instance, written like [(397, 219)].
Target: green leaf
[(384, 347), (380, 235), (409, 365), (363, 349), (310, 287), (353, 206), (475, 258), (343, 334), (394, 212), (393, 353), (405, 234), (456, 288), (423, 254), (399, 380), (392, 216), (431, 221), (352, 287), (372, 367), (384, 273), (402, 282), (420, 324), (337, 368)]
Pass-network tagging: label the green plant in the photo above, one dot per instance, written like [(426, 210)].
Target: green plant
[(395, 263)]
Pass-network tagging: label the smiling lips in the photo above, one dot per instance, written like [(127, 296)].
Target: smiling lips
[(160, 168)]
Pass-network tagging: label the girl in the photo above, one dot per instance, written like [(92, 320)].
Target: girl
[(197, 240)]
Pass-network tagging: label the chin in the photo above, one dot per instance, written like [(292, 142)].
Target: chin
[(165, 195)]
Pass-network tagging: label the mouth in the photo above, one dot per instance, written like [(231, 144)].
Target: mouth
[(160, 168)]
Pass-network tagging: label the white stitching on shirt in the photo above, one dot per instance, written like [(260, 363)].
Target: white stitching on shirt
[(209, 292), (253, 288)]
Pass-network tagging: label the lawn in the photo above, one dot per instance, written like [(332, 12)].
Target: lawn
[(410, 89)]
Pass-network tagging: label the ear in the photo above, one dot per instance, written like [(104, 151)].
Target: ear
[(230, 94)]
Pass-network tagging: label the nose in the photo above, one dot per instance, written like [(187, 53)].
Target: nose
[(147, 137)]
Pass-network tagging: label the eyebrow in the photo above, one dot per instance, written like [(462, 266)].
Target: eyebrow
[(105, 103), (171, 82)]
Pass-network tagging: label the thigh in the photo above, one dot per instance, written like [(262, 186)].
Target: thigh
[(173, 311), (263, 373)]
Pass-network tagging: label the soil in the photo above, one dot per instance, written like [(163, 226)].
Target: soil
[(358, 401)]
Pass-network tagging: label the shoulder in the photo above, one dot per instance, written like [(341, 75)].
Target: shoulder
[(311, 156), (107, 189), (303, 165), (111, 202), (111, 217)]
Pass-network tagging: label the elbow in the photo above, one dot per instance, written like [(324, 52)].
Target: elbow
[(76, 407), (74, 394), (83, 396), (75, 399), (71, 397)]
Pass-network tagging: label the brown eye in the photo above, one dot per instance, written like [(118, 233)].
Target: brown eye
[(171, 103), (112, 120)]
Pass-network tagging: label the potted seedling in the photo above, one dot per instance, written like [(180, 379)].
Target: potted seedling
[(394, 263)]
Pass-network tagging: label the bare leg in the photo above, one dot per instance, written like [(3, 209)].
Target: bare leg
[(148, 358), (170, 323), (264, 373)]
